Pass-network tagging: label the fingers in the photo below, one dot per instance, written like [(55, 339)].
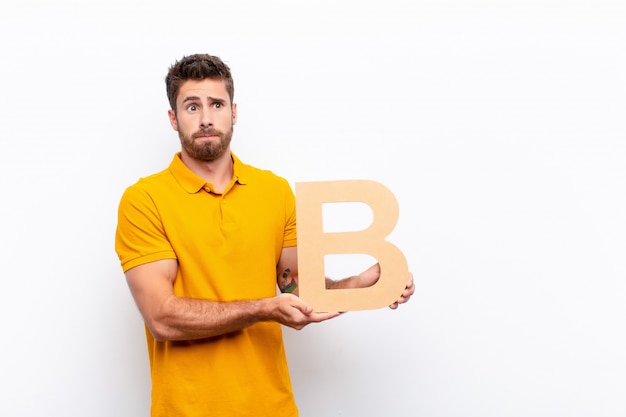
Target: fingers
[(303, 320), (409, 290), (297, 313), (410, 287), (318, 317), (411, 281), (309, 316)]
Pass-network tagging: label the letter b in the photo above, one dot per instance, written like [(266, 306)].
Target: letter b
[(313, 244)]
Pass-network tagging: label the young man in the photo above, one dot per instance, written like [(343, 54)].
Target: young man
[(203, 245)]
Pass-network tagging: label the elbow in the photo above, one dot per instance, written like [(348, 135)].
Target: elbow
[(160, 323), (160, 331)]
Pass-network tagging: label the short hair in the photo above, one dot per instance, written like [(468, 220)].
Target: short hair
[(197, 67)]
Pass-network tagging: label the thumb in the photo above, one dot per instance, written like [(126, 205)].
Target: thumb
[(305, 308)]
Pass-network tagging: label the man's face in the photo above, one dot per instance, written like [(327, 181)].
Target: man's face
[(204, 119)]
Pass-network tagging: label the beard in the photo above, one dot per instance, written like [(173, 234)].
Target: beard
[(209, 150)]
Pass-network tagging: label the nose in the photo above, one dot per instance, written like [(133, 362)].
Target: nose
[(206, 119)]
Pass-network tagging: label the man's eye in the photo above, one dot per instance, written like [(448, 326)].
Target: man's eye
[(217, 105), (192, 107)]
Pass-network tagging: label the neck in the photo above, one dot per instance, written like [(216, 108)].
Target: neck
[(218, 172)]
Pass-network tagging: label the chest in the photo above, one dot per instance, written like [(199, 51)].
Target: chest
[(243, 219)]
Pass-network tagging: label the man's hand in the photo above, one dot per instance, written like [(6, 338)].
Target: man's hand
[(409, 290), (371, 275), (291, 311)]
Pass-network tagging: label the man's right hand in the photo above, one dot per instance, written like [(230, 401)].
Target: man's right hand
[(291, 311)]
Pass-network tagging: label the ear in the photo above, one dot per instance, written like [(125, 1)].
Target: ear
[(233, 110), (172, 115)]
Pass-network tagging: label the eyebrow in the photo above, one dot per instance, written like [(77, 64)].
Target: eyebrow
[(196, 98)]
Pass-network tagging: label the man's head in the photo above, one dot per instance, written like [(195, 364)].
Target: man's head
[(197, 67), (200, 90)]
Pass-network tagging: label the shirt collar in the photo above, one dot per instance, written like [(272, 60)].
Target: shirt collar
[(193, 183)]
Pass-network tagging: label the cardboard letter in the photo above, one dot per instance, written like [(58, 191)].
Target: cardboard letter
[(313, 244)]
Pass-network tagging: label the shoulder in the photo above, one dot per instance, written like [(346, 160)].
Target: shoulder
[(146, 186), (248, 174)]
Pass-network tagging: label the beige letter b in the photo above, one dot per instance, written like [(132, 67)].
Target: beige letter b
[(314, 244)]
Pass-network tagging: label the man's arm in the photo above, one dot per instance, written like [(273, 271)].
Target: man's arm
[(368, 278), (287, 271), (169, 317), (287, 277)]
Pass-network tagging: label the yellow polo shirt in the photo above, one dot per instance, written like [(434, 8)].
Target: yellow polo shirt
[(227, 246)]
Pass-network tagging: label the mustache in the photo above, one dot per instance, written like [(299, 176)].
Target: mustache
[(210, 131)]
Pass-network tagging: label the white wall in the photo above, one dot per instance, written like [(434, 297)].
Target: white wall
[(498, 125)]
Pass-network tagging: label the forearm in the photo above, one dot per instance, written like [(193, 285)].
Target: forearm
[(366, 278), (187, 319), (350, 282)]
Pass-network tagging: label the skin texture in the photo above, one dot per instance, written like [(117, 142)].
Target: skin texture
[(204, 121)]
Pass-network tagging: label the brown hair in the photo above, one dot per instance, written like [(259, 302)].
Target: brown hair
[(197, 67)]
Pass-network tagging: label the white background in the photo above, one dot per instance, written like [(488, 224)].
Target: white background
[(498, 125)]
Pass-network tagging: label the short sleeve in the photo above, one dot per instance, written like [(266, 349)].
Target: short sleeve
[(290, 238), (140, 236)]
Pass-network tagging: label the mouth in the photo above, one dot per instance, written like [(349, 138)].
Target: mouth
[(206, 135)]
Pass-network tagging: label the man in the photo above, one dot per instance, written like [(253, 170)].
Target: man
[(203, 245)]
